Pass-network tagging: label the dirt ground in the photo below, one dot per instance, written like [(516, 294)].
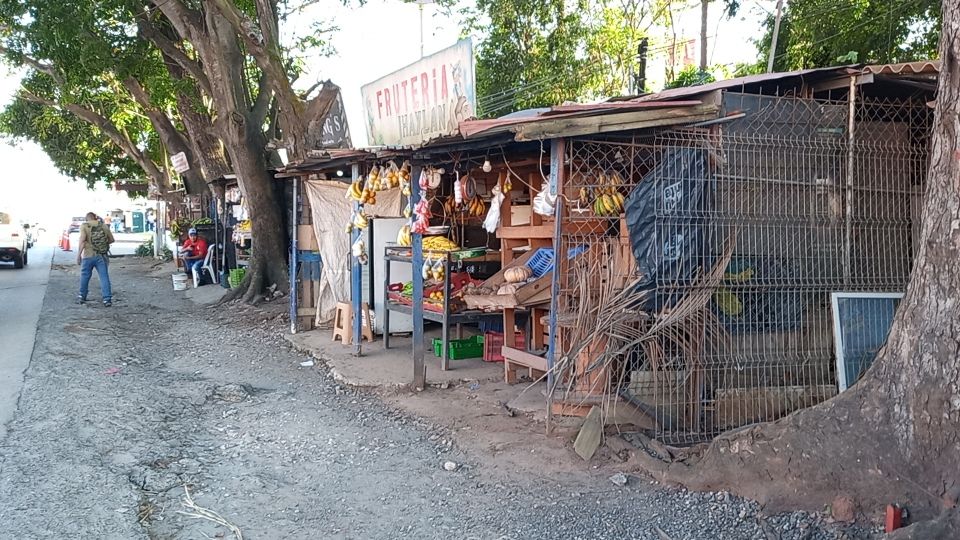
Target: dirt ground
[(127, 409)]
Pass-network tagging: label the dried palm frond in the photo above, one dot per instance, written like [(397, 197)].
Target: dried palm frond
[(612, 320)]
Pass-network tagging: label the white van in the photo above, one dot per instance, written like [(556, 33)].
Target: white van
[(13, 241)]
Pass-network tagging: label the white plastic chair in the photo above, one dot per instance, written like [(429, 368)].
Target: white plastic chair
[(208, 264)]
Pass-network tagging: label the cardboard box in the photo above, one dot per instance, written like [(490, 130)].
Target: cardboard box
[(306, 238)]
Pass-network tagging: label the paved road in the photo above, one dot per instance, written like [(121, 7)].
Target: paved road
[(21, 297)]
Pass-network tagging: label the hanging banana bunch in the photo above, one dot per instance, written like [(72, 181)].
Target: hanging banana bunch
[(476, 207)]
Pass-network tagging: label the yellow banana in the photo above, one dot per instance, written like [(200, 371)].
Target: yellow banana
[(609, 205), (619, 200), (355, 191), (360, 221)]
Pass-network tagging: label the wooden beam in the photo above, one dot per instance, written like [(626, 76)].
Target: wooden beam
[(570, 127), (526, 231)]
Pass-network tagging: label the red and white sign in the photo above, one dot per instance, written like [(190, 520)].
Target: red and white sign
[(422, 101)]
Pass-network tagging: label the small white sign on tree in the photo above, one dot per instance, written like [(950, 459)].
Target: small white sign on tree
[(180, 163)]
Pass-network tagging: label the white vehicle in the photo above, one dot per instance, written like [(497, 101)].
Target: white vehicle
[(13, 241)]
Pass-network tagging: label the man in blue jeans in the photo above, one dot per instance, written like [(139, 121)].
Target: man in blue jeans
[(95, 240)]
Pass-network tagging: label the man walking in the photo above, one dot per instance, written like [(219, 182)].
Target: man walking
[(95, 240)]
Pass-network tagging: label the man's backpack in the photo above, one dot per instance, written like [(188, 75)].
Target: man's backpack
[(99, 239)]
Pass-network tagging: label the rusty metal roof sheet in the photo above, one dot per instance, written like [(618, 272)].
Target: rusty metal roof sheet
[(927, 67), (750, 80), (475, 128)]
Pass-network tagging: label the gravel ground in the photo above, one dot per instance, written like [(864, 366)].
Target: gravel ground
[(124, 409)]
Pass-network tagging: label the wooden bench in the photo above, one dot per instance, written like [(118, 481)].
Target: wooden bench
[(515, 360)]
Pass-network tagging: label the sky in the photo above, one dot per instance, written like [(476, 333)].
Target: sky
[(374, 40)]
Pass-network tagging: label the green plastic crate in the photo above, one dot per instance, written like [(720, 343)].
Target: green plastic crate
[(236, 276), (460, 349)]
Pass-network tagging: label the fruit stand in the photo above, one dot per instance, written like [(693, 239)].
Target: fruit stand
[(446, 279)]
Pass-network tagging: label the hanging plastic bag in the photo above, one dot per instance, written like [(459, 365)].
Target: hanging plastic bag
[(427, 269), (492, 220), (544, 204), (359, 250)]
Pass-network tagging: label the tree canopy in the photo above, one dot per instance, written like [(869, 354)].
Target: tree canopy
[(536, 54), (819, 33)]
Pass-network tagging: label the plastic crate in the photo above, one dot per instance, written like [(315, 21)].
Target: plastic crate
[(493, 345), (236, 276), (460, 349), (542, 261)]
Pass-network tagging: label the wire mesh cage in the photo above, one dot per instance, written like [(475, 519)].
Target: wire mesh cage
[(701, 294)]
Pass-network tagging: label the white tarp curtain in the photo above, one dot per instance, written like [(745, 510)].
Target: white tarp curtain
[(331, 212), (389, 204)]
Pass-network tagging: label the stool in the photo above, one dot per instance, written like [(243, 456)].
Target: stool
[(366, 332), (341, 322)]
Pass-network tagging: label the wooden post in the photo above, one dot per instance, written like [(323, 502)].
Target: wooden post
[(419, 368), (851, 167)]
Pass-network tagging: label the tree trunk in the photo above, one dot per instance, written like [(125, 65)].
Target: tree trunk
[(268, 263), (239, 124), (894, 437), (173, 140)]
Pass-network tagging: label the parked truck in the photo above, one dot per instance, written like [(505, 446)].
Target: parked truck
[(14, 241)]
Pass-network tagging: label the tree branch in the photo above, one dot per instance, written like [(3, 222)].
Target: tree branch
[(265, 48), (261, 106), (151, 33), (42, 67), (186, 22), (112, 132), (170, 136)]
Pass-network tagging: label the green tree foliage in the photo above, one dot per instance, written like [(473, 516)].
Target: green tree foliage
[(76, 148), (541, 53), (819, 33), (691, 76), (73, 102), (530, 54)]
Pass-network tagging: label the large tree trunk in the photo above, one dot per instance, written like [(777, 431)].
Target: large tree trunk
[(895, 436), (268, 263), (239, 124)]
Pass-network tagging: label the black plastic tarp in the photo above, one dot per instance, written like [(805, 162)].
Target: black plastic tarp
[(666, 222)]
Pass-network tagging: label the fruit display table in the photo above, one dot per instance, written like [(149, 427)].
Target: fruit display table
[(442, 308)]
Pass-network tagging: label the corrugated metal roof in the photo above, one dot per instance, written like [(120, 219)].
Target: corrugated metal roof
[(750, 80), (476, 128), (927, 67)]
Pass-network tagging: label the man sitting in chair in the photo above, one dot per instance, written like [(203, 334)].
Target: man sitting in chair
[(193, 251)]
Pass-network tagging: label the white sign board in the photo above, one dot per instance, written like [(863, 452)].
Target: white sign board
[(422, 101), (180, 163)]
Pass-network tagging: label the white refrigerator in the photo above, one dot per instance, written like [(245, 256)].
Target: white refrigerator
[(385, 233)]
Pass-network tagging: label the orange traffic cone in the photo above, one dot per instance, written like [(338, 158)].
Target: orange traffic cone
[(65, 241)]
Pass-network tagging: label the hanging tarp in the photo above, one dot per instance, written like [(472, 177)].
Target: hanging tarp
[(667, 226), (331, 210)]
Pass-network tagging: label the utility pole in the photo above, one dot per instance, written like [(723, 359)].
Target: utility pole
[(420, 4), (776, 34), (704, 11)]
